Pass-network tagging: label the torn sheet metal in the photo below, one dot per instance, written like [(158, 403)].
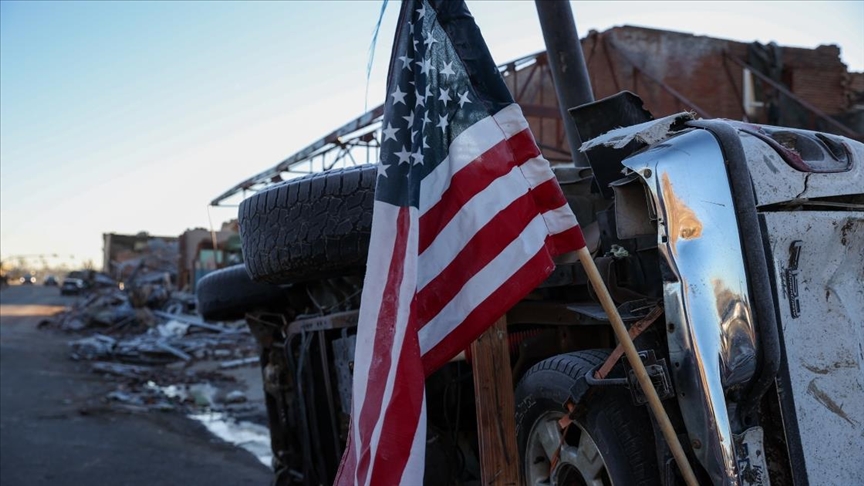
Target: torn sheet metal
[(648, 132)]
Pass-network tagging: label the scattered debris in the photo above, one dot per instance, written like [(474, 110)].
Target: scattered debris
[(108, 309), (148, 349), (192, 321), (236, 363), (161, 345), (235, 396)]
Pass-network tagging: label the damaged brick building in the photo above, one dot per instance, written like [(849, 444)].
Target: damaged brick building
[(716, 78)]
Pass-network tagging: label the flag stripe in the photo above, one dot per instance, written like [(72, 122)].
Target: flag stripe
[(373, 285), (404, 329), (402, 415), (528, 276), (373, 291), (561, 219), (474, 178), (417, 460), (537, 171), (471, 218), (485, 244), (348, 464), (383, 345), (483, 283), (480, 210), (468, 146), (570, 239)]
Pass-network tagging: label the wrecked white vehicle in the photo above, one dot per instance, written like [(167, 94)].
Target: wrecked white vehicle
[(759, 233)]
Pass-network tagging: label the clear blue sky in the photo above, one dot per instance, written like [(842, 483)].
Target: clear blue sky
[(128, 116)]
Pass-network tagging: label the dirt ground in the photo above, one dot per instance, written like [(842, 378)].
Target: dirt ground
[(55, 430)]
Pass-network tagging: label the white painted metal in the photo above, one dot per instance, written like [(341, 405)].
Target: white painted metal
[(821, 311), (774, 181)]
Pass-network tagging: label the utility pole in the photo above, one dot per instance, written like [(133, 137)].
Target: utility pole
[(567, 63)]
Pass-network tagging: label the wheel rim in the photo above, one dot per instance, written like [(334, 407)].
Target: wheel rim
[(579, 460)]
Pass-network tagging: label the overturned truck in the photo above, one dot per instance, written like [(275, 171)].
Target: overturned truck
[(734, 252)]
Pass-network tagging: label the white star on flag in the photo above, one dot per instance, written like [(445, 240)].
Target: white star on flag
[(382, 169), (463, 98), (417, 156), (390, 132), (404, 155), (410, 119), (445, 96), (429, 40), (425, 66), (406, 61), (398, 96), (442, 122), (447, 70)]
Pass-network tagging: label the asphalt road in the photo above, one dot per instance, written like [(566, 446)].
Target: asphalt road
[(55, 431)]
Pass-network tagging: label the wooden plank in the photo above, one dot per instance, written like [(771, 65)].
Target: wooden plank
[(496, 423)]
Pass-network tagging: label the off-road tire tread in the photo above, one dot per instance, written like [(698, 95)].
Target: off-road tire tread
[(229, 293), (311, 227)]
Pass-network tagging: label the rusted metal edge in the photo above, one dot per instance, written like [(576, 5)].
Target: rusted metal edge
[(634, 331)]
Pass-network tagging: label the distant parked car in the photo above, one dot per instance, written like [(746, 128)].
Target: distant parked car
[(50, 281), (27, 279), (71, 286)]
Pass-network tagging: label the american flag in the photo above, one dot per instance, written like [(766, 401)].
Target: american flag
[(467, 218)]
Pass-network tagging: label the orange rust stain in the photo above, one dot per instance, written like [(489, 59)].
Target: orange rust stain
[(683, 222)]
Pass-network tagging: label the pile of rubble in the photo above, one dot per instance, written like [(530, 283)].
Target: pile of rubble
[(178, 338), (140, 388), (107, 309), (158, 355)]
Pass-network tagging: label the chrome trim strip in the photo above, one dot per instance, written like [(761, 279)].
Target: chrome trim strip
[(710, 331)]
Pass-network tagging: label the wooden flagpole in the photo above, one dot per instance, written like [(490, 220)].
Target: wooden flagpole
[(637, 365)]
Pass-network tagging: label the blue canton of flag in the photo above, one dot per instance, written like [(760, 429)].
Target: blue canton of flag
[(429, 103)]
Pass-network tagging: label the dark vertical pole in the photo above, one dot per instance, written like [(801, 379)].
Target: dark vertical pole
[(569, 72)]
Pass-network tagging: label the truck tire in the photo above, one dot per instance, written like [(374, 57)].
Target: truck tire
[(313, 227), (229, 293), (612, 443)]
